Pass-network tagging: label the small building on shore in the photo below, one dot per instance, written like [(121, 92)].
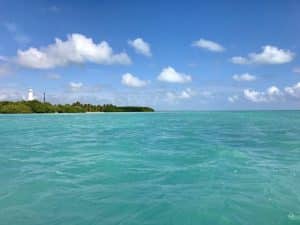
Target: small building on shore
[(30, 96)]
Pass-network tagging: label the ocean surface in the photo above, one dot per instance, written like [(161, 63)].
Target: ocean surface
[(163, 168)]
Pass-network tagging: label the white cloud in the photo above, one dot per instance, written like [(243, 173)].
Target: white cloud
[(271, 94), (133, 81), (209, 45), (75, 86), (184, 94), (244, 77), (272, 55), (76, 49), (294, 90), (187, 93), (233, 98), (169, 74), (296, 70), (273, 91), (269, 55), (140, 46), (254, 96)]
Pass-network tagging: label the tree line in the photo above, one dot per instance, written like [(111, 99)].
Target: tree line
[(77, 107)]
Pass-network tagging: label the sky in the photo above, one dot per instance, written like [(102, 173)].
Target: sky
[(170, 55)]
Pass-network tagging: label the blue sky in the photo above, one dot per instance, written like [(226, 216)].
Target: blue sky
[(170, 55)]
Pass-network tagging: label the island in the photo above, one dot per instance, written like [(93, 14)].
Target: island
[(35, 106)]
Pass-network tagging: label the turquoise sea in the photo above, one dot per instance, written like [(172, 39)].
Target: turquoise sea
[(163, 168)]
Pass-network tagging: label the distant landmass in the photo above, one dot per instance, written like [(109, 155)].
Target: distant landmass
[(35, 106)]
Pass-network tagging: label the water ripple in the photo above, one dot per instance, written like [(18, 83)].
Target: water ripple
[(150, 168)]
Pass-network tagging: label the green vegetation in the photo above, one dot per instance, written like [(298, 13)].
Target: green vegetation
[(39, 107)]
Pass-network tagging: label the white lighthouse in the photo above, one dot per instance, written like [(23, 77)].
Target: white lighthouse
[(30, 95)]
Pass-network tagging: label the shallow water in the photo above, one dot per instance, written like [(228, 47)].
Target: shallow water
[(150, 168)]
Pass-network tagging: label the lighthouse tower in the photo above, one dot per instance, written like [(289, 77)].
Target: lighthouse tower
[(30, 95)]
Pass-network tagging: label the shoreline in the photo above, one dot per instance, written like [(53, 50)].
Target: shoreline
[(28, 107)]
